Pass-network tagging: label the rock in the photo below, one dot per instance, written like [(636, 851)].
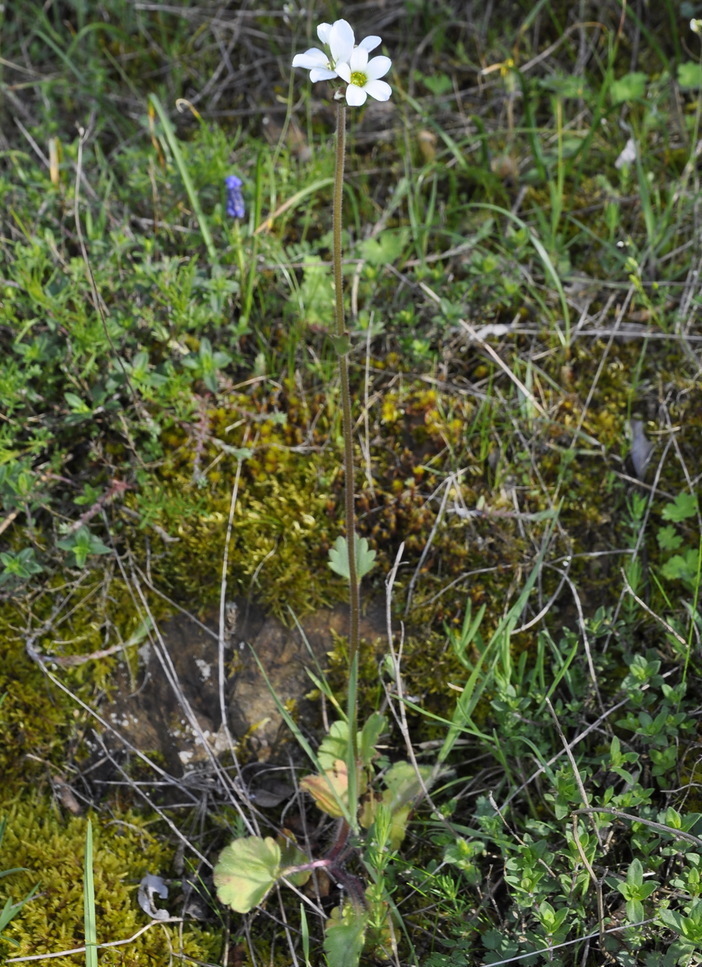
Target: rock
[(285, 654), (172, 706)]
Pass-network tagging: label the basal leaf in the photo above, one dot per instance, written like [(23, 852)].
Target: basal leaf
[(246, 871), (690, 75), (334, 745), (385, 249), (369, 736), (630, 87), (344, 934), (330, 789), (398, 826), (668, 538), (403, 784), (682, 567), (290, 856)]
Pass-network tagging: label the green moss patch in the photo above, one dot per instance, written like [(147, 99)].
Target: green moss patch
[(51, 847)]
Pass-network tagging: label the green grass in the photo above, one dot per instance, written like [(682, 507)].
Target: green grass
[(518, 296)]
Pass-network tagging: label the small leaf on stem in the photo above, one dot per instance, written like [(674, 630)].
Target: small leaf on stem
[(339, 557)]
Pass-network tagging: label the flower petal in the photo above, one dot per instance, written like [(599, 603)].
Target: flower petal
[(341, 40), (311, 58), (323, 32), (370, 43), (378, 67), (378, 89), (359, 59), (344, 71), (321, 74), (355, 96)]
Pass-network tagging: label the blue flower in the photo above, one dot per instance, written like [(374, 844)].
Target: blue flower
[(235, 199)]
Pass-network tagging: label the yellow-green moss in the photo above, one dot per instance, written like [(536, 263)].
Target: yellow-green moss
[(70, 619), (51, 847), (286, 512)]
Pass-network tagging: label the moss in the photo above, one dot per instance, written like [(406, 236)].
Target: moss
[(24, 729), (72, 617), (51, 848), (286, 512)]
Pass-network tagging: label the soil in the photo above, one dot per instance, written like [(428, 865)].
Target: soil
[(171, 708)]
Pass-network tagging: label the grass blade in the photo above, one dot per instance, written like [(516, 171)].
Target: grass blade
[(91, 958), (172, 140)]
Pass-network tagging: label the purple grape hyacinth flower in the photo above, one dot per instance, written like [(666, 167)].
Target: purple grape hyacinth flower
[(235, 199)]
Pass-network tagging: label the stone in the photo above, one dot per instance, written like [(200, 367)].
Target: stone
[(171, 707)]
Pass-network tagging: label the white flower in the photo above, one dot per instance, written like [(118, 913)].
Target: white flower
[(363, 76), (696, 26), (370, 43), (344, 59), (340, 40)]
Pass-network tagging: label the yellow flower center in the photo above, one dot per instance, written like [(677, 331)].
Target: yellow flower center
[(359, 79)]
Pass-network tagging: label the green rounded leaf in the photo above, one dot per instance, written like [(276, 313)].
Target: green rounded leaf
[(369, 737), (334, 745), (291, 856), (344, 935), (246, 871), (630, 87), (690, 75)]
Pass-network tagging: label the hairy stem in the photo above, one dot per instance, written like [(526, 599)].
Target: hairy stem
[(349, 495), (344, 374)]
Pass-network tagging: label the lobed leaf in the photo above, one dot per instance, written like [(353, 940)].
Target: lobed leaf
[(246, 871), (339, 557)]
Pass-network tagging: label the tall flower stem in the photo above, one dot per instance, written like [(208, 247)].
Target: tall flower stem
[(342, 350)]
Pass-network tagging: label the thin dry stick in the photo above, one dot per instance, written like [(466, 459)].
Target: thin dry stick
[(593, 876), (168, 779), (546, 608), (439, 517), (503, 366), (164, 659), (568, 943), (399, 714), (642, 604), (639, 541), (571, 758), (166, 663), (600, 367), (100, 946), (661, 827), (583, 631)]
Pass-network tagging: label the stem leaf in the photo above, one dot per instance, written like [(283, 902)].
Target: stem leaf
[(339, 557)]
